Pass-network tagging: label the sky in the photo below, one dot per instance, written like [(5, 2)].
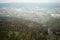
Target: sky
[(27, 1)]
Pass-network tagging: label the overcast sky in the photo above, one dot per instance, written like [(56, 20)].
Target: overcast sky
[(31, 1)]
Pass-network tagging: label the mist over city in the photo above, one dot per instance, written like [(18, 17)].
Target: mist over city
[(30, 20)]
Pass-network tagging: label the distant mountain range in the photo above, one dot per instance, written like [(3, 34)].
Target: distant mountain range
[(50, 5)]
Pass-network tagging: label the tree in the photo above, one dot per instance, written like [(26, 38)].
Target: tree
[(4, 35)]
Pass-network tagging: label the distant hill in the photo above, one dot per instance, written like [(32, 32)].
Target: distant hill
[(51, 5)]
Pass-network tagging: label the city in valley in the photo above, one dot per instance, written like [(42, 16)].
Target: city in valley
[(29, 21)]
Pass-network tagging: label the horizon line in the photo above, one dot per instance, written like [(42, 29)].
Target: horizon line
[(29, 2)]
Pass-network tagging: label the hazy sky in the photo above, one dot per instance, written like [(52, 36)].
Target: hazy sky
[(33, 1)]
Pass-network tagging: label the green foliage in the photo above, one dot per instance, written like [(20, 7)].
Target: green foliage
[(21, 31), (4, 35), (27, 35)]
